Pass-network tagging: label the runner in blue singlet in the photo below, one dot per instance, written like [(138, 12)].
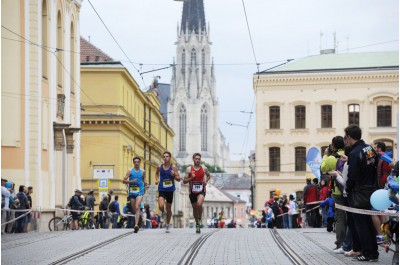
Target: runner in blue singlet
[(135, 178)]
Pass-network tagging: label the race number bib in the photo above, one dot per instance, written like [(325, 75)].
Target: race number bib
[(134, 189), (197, 186), (167, 183)]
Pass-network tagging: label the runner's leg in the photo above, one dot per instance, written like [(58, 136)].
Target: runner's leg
[(200, 199), (169, 212), (137, 209)]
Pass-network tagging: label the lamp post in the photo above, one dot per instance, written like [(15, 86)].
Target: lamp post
[(252, 165)]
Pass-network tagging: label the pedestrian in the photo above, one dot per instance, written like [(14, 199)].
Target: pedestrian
[(136, 179), (76, 205), (310, 196), (114, 213), (331, 161), (293, 214), (329, 203), (361, 177), (23, 205), (166, 175), (29, 215), (197, 176)]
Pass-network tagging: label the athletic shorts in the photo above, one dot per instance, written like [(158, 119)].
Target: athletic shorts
[(167, 195), (134, 196), (193, 196), (74, 215)]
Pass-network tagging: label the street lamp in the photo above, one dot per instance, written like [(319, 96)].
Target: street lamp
[(252, 165)]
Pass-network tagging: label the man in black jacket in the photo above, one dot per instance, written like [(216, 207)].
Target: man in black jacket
[(362, 174)]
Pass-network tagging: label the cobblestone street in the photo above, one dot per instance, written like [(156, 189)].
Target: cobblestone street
[(181, 246)]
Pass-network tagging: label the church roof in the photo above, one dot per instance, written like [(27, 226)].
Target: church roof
[(340, 62), (90, 53), (193, 17)]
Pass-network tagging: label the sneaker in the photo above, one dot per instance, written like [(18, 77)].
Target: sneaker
[(136, 229), (364, 258), (198, 229), (167, 228), (200, 224), (352, 253), (162, 217), (339, 251), (379, 240)]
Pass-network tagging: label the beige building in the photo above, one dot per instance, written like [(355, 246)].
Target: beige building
[(306, 102), (40, 98), (118, 122)]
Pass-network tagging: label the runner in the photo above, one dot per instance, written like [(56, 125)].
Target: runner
[(194, 175), (165, 176), (135, 177)]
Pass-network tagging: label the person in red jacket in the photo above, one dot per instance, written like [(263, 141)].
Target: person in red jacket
[(310, 195), (323, 194)]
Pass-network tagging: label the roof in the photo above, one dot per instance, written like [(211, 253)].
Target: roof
[(90, 53), (163, 96), (193, 17), (343, 61), (233, 198), (225, 181), (215, 195)]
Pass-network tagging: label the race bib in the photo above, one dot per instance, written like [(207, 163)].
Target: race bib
[(134, 189), (197, 187), (167, 183)]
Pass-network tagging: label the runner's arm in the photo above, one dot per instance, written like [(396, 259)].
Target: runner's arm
[(144, 178), (187, 178), (126, 178), (208, 176), (176, 175), (157, 175)]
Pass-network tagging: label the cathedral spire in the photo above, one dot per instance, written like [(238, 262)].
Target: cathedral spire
[(193, 18)]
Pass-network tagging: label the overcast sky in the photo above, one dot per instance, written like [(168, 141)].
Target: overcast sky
[(147, 30)]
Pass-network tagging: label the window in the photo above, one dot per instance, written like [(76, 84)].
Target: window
[(203, 61), (183, 61), (182, 129), (59, 55), (274, 117), (300, 159), (274, 159), (193, 57), (204, 128), (326, 116), (72, 59), (384, 114), (300, 117), (354, 114)]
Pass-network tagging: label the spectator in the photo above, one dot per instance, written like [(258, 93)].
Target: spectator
[(114, 213), (5, 202), (221, 220), (329, 203), (293, 214), (23, 205), (215, 220), (232, 224), (128, 211), (310, 195), (29, 215), (323, 194), (361, 175), (103, 207), (76, 204), (148, 215)]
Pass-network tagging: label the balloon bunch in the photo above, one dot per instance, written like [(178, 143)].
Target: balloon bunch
[(382, 199)]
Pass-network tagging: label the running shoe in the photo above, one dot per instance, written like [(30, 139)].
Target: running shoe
[(339, 251), (167, 228), (200, 224), (162, 217), (136, 229), (198, 229)]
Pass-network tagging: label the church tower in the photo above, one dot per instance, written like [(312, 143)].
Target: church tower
[(193, 107)]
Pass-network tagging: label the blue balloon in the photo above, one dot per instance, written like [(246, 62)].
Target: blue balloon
[(380, 200)]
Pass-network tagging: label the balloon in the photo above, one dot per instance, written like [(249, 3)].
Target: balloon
[(380, 200), (278, 192)]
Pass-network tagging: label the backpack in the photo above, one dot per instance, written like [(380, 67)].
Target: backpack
[(71, 201), (112, 207)]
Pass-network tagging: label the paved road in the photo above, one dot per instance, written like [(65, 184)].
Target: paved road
[(213, 246)]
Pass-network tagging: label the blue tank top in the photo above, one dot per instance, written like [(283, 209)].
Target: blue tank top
[(166, 180), (136, 188)]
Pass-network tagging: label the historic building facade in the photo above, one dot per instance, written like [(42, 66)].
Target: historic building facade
[(40, 99), (193, 105), (306, 102), (118, 122)]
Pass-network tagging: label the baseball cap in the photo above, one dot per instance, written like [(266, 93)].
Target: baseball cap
[(78, 190)]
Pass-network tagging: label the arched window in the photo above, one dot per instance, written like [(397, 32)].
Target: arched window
[(60, 61), (72, 58), (384, 113), (204, 128), (182, 129), (193, 56), (45, 54)]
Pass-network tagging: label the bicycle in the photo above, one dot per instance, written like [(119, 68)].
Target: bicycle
[(60, 223)]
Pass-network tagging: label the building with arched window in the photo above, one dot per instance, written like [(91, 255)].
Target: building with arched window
[(40, 99), (306, 102), (192, 104)]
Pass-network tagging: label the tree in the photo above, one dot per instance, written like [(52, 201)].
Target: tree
[(211, 168)]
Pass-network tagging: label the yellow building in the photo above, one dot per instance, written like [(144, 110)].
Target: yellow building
[(40, 113), (307, 102), (118, 122)]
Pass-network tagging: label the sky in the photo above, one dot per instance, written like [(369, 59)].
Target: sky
[(146, 31)]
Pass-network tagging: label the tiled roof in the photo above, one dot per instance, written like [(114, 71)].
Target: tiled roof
[(90, 53), (225, 181), (342, 61)]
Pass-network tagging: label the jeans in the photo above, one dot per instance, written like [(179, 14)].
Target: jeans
[(348, 238), (340, 217), (114, 220), (286, 221), (20, 223), (324, 212), (290, 217)]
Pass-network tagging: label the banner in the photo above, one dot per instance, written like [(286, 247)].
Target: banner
[(314, 161)]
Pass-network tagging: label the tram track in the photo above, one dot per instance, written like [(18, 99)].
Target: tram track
[(89, 249), (292, 255), (8, 243)]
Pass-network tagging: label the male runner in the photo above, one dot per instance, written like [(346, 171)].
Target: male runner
[(194, 175), (165, 176), (135, 178)]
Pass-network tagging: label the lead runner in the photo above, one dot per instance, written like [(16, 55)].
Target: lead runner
[(194, 175)]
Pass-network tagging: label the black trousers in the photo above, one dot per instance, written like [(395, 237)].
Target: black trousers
[(366, 233), (329, 224), (353, 230)]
